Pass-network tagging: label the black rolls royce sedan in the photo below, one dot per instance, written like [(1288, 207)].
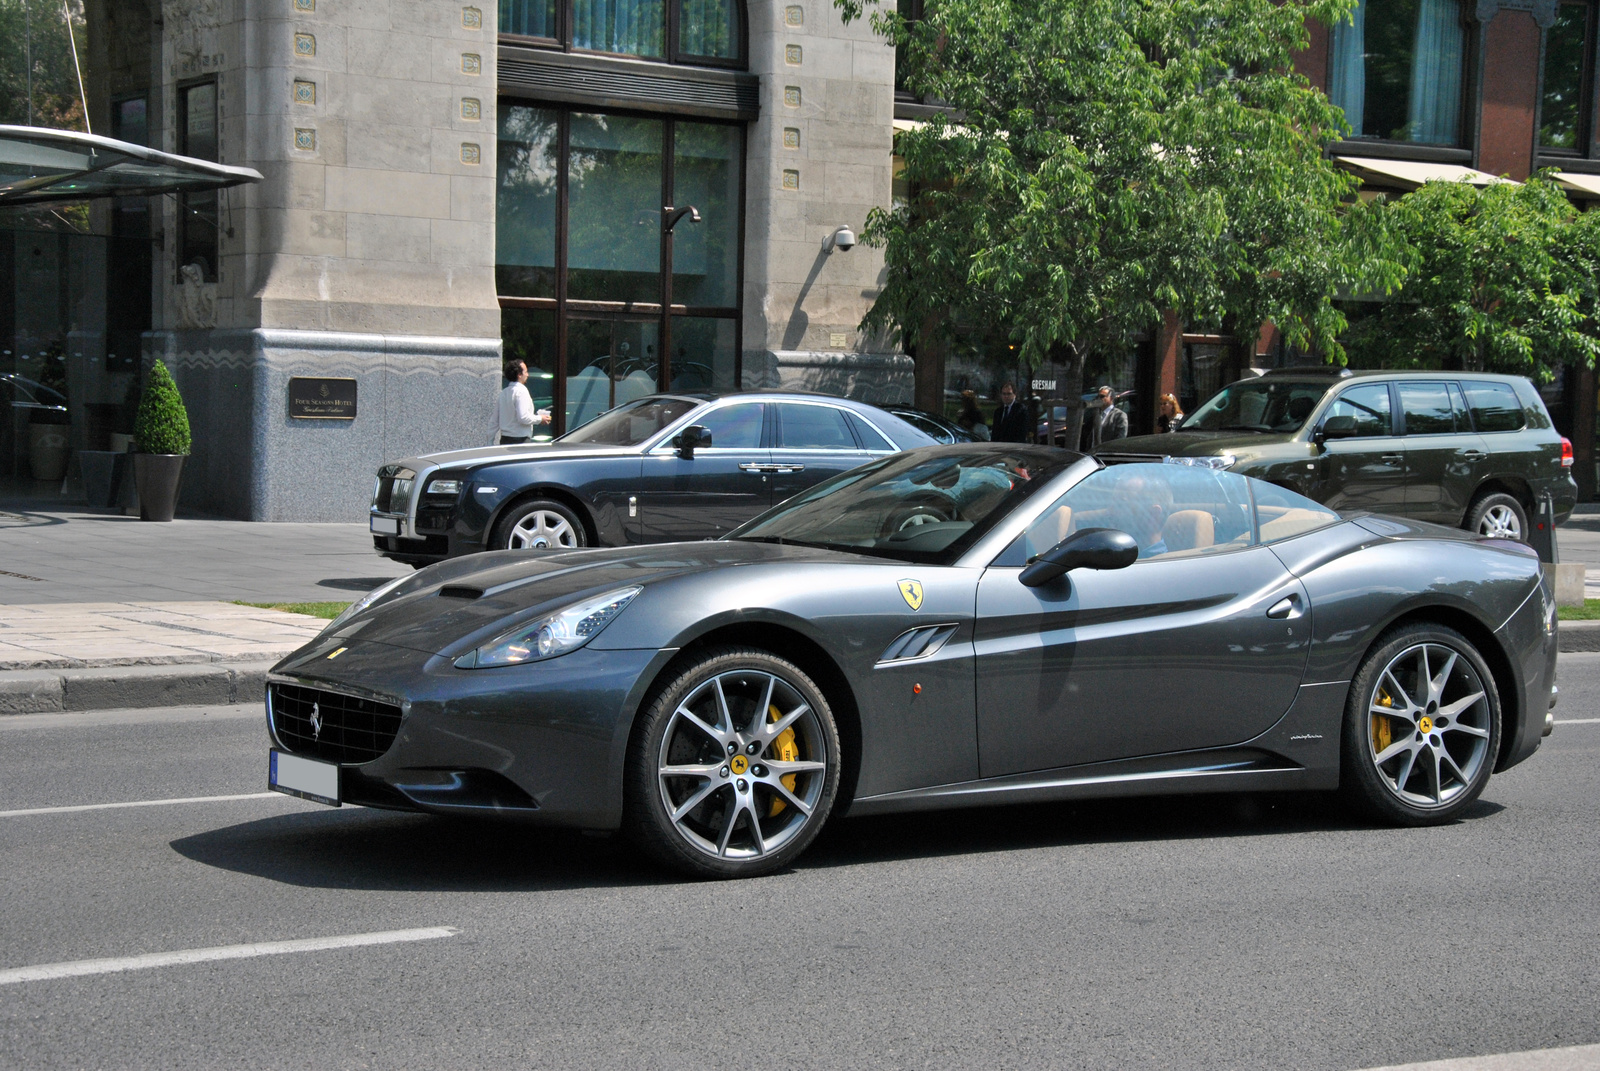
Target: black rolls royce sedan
[(660, 469)]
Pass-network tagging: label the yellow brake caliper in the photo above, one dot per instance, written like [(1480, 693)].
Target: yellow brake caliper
[(1382, 732), (784, 749)]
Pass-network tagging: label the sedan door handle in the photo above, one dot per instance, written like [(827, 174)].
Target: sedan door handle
[(1286, 608), (753, 468)]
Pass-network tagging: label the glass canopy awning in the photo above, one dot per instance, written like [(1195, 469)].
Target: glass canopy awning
[(37, 165)]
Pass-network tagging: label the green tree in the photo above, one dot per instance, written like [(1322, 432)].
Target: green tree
[(1111, 159), (162, 424), (37, 29), (1504, 277)]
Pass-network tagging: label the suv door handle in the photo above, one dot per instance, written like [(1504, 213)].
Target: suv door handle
[(1392, 457), (1286, 608), (1474, 455)]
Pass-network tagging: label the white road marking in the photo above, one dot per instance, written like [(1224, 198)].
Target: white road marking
[(141, 803), (1576, 1058), (78, 968), (1577, 721)]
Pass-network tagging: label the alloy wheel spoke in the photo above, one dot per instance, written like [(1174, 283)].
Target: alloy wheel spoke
[(1405, 771), (789, 797), (707, 769), (1400, 747), (1445, 757), (724, 717), (1437, 682), (1438, 787), (695, 800), (1396, 691), (694, 719), (775, 729), (747, 803), (1470, 730), (732, 819), (766, 705), (1458, 706), (781, 768)]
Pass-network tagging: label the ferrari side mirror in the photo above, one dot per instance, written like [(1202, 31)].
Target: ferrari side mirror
[(1092, 548), (691, 438), (1335, 427)]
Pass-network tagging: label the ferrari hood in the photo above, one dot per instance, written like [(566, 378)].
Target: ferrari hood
[(452, 605)]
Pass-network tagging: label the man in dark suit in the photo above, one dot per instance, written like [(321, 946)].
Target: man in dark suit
[(1011, 421)]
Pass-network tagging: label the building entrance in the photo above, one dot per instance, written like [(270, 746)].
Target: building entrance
[(611, 360)]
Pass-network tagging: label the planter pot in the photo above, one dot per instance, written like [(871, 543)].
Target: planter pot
[(156, 476), (47, 450), (103, 473)]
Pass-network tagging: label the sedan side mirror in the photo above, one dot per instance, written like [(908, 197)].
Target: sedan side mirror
[(691, 438), (1335, 427), (1091, 548)]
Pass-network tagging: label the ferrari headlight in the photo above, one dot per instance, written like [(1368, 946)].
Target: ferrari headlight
[(556, 634), (365, 601), (1218, 461)]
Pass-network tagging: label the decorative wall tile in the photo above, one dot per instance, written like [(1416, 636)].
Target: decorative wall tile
[(471, 63), (791, 179), (305, 45), (470, 153), (791, 137), (305, 6), (471, 109), (794, 15), (791, 96), (791, 55), (304, 92), (305, 139), (472, 18)]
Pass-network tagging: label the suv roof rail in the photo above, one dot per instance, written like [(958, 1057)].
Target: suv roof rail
[(1310, 370)]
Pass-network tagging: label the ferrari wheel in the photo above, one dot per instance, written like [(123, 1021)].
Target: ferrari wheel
[(733, 769), (1422, 727), (538, 525)]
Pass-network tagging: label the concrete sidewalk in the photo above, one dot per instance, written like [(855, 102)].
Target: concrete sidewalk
[(101, 611)]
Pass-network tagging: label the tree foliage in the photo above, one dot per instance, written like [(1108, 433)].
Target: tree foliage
[(1111, 159), (162, 425), (40, 27), (1504, 277)]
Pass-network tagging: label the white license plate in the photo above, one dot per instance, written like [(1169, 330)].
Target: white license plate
[(306, 778), (386, 525)]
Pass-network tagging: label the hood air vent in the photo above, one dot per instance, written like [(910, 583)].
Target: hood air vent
[(921, 642)]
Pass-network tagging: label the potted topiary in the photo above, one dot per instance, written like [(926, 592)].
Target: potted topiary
[(161, 442)]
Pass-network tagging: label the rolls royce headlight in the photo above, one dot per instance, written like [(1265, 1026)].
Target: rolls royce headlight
[(444, 487), (556, 634), (1219, 461), (362, 603)]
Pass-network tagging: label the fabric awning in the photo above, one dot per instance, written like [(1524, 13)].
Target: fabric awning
[(1411, 174), (38, 164), (1588, 185)]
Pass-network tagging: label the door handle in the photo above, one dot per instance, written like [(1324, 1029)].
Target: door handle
[(778, 469), (1286, 608), (1392, 457), (787, 468), (752, 468), (1474, 455)]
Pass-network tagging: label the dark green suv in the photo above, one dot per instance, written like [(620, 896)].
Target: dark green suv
[(1466, 449)]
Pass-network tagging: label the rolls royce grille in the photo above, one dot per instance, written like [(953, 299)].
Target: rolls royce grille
[(330, 726)]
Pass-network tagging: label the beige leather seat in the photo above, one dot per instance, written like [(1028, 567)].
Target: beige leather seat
[(1189, 529), (1290, 522)]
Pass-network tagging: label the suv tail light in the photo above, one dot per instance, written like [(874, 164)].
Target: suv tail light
[(1566, 452)]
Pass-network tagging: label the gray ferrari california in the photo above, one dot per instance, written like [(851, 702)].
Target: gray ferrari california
[(953, 626)]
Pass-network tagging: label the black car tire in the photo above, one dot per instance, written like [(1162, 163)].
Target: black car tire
[(1491, 514), (683, 843), (538, 518), (1427, 723)]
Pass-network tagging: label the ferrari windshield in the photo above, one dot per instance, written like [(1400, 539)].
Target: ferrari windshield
[(926, 505), (631, 424), (1275, 405)]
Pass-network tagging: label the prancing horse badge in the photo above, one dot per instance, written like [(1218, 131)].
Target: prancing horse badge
[(912, 590)]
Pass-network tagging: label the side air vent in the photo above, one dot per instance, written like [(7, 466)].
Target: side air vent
[(921, 642), (457, 591)]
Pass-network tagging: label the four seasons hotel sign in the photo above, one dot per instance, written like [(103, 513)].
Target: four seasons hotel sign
[(322, 399)]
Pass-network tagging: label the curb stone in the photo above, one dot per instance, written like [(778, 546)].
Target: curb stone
[(127, 687)]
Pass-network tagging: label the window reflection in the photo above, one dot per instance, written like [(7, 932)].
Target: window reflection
[(1562, 96), (529, 335), (631, 27), (614, 208), (703, 354), (525, 216), (528, 18), (709, 28), (705, 255), (1397, 70)]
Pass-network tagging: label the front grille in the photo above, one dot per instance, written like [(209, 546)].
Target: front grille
[(352, 730), (382, 493)]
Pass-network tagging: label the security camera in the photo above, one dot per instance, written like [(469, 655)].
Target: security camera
[(844, 238)]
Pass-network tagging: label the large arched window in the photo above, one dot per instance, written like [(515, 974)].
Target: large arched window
[(1399, 70), (704, 32)]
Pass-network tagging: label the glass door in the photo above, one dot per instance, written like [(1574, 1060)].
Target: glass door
[(611, 360)]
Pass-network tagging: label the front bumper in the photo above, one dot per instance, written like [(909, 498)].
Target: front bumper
[(544, 742)]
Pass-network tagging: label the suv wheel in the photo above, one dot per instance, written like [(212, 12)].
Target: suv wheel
[(1498, 515)]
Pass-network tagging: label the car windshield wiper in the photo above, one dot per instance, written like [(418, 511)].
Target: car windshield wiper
[(785, 541), (1244, 427)]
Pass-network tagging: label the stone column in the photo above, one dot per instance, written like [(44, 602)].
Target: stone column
[(819, 158), (367, 252)]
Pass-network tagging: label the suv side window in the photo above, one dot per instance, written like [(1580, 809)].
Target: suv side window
[(1494, 406), (1429, 408), (813, 427), (736, 427), (1369, 404)]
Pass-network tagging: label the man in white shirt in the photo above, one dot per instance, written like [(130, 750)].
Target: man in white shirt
[(515, 415)]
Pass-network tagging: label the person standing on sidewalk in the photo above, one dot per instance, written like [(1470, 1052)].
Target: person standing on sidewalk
[(1111, 423), (1011, 421), (515, 415)]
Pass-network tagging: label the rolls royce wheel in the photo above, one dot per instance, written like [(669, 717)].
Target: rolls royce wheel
[(1500, 516), (733, 768), (540, 524), (1422, 727)]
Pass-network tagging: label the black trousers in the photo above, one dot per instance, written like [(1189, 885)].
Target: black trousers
[(512, 440)]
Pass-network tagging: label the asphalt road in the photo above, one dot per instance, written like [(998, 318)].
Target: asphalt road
[(1197, 932)]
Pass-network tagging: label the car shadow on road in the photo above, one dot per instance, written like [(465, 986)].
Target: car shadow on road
[(355, 848)]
